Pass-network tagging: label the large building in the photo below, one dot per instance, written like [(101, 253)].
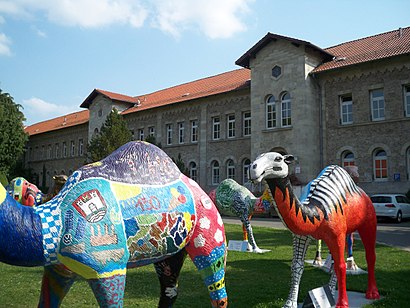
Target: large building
[(348, 105)]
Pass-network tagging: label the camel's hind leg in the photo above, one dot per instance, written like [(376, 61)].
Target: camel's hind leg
[(368, 236), (109, 291), (246, 226), (57, 281), (168, 272)]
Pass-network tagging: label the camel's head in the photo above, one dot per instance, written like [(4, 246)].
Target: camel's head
[(269, 165)]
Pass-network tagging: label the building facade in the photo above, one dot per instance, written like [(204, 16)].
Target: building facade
[(348, 104)]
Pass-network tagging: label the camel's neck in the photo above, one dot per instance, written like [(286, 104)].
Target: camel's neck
[(296, 216), (20, 233)]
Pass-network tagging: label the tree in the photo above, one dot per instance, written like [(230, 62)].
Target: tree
[(181, 165), (12, 135), (151, 139), (113, 134)]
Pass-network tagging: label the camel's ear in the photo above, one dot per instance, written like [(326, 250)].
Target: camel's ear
[(289, 159)]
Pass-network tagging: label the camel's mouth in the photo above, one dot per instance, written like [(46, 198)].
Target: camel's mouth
[(277, 168)]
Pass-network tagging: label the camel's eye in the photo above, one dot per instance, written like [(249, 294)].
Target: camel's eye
[(278, 159)]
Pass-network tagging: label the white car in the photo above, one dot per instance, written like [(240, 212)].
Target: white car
[(395, 206)]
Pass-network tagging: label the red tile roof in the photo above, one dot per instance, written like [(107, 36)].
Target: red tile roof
[(380, 46), (65, 121), (225, 82), (111, 95)]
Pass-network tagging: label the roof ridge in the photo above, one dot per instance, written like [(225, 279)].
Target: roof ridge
[(62, 116), (367, 37), (190, 82)]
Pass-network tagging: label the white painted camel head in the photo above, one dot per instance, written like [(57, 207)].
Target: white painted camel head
[(270, 165)]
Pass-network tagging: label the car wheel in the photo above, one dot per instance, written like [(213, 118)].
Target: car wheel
[(399, 217)]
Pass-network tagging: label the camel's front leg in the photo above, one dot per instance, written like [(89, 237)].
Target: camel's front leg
[(300, 246), (57, 281), (337, 247), (247, 225)]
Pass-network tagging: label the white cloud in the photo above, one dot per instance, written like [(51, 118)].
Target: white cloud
[(5, 43), (37, 110), (215, 18)]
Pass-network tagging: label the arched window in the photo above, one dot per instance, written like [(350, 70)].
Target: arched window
[(380, 165), (230, 169), (95, 132), (348, 159), (245, 166), (286, 114), (215, 172), (193, 171), (270, 112)]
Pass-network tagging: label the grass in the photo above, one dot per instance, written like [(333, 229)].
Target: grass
[(253, 280)]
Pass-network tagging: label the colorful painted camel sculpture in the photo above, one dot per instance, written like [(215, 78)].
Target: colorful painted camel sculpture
[(333, 207), (233, 199), (130, 209), (25, 192)]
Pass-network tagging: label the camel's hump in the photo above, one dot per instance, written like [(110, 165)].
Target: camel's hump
[(135, 162)]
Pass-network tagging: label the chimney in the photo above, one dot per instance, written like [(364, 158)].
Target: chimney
[(400, 32)]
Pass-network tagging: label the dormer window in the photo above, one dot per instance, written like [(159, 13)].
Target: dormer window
[(276, 71)]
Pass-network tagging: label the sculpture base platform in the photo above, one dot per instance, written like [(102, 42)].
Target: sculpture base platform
[(241, 246), (356, 300), (357, 271)]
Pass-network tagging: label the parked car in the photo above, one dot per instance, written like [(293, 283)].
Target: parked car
[(395, 206)]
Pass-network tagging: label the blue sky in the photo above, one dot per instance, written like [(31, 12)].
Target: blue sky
[(53, 53)]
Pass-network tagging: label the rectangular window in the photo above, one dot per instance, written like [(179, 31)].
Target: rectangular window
[(57, 149), (72, 152), (286, 113), (194, 131), (132, 134), (141, 134), (151, 131), (49, 152), (64, 149), (169, 134), (271, 114), (407, 100), (231, 125), (43, 152), (246, 123), (216, 128), (181, 132), (377, 104), (80, 147), (346, 110)]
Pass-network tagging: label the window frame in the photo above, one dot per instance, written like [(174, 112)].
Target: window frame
[(193, 171), (80, 147), (141, 134), (230, 123), (194, 131), (346, 109), (247, 123), (286, 110), (377, 114), (72, 148), (348, 161), (245, 166), (406, 96), (169, 133), (270, 112), (181, 132), (216, 128), (215, 173), (380, 166), (230, 169)]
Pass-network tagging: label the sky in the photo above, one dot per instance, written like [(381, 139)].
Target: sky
[(54, 53)]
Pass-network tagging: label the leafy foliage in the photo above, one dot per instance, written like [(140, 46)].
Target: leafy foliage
[(12, 135), (181, 165), (113, 134)]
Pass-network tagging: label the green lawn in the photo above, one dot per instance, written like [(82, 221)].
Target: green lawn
[(253, 280)]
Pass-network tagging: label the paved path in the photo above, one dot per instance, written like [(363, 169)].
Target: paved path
[(388, 233)]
